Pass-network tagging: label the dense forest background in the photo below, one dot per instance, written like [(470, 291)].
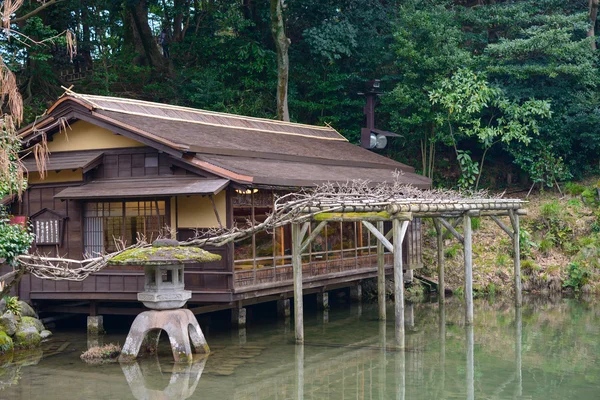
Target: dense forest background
[(525, 72)]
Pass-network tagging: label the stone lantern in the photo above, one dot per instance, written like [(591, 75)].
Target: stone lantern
[(164, 294)]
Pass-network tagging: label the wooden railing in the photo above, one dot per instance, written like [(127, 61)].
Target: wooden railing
[(317, 264)]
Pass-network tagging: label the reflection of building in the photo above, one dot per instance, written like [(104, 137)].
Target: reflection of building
[(126, 167)]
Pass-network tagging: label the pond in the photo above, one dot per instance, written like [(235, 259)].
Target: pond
[(548, 350)]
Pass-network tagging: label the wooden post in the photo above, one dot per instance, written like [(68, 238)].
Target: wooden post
[(518, 350), (381, 275), (442, 328), (399, 231), (382, 357), (468, 246), (470, 363), (514, 219), (297, 267), (300, 371), (439, 230)]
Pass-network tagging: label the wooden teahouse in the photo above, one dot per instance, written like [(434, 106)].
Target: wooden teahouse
[(126, 167)]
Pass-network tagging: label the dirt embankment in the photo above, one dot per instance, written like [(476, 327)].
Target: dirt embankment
[(560, 246)]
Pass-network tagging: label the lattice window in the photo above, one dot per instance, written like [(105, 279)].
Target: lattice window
[(107, 221)]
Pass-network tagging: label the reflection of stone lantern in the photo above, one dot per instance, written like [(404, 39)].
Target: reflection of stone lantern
[(164, 293)]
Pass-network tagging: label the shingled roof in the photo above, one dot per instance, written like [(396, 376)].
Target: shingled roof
[(243, 149)]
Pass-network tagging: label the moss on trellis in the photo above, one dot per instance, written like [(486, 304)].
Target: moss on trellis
[(162, 255)]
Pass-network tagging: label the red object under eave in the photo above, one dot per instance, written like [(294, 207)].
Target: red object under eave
[(18, 220)]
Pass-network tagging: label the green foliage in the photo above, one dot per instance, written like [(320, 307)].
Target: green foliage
[(475, 223), (526, 244), (529, 267), (415, 292), (547, 243), (573, 188), (554, 225), (450, 252), (472, 108), (12, 305), (502, 260), (589, 196), (14, 239), (577, 275), (6, 343), (551, 210)]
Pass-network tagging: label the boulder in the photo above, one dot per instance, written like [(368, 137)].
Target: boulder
[(26, 310), (6, 343), (8, 323), (45, 334), (27, 322), (27, 338)]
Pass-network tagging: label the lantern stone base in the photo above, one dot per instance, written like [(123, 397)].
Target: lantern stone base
[(180, 325), (164, 300)]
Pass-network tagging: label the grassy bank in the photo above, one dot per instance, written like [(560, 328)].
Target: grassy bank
[(560, 246)]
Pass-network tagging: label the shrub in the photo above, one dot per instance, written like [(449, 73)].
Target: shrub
[(450, 252), (547, 243), (578, 275), (550, 210), (12, 305), (475, 223), (574, 189), (502, 260)]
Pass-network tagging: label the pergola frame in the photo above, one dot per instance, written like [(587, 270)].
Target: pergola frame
[(400, 212)]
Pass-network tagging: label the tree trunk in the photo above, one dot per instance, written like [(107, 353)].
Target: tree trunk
[(593, 15), (139, 15), (282, 44)]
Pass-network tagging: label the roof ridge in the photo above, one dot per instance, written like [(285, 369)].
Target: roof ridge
[(339, 139), (91, 97)]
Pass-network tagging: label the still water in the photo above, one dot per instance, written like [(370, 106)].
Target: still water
[(548, 350)]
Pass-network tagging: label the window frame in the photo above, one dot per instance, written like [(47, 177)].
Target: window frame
[(167, 215)]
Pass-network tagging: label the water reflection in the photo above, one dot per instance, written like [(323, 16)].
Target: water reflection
[(148, 380), (545, 351)]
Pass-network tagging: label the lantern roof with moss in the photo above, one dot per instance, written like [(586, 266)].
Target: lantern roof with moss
[(164, 251)]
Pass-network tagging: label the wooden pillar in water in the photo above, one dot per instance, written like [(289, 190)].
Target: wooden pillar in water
[(399, 228), (470, 381), (468, 250), (300, 371), (519, 350), (514, 220), (297, 270), (381, 274), (442, 332), (439, 230)]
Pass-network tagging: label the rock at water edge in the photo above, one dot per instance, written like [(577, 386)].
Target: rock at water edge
[(8, 323), (6, 343), (26, 310), (27, 339), (27, 322)]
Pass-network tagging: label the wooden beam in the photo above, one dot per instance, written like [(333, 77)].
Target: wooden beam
[(514, 219), (381, 295), (377, 233), (352, 216), (468, 246), (501, 225), (440, 260), (452, 230), (399, 228), (312, 236), (297, 271), (304, 230)]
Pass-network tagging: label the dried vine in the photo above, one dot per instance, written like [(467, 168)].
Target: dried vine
[(295, 207)]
